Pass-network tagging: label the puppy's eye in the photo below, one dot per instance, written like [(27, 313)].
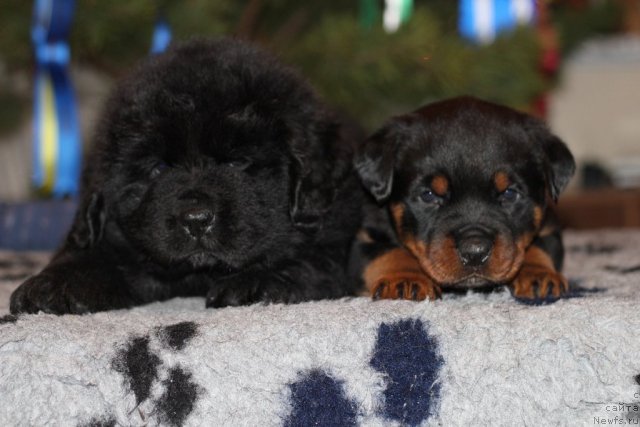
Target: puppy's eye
[(509, 195), (428, 196), (240, 164), (158, 169)]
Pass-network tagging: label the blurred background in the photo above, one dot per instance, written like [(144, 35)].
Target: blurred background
[(574, 63)]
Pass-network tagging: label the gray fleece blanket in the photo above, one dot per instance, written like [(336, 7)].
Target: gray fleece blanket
[(474, 359)]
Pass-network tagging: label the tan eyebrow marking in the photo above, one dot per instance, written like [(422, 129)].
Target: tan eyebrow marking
[(501, 181), (440, 185)]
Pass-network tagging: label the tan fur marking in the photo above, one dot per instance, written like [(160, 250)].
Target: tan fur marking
[(538, 216), (418, 248), (440, 185), (521, 251), (536, 256), (397, 275), (395, 261), (538, 277), (501, 181), (440, 260), (397, 212)]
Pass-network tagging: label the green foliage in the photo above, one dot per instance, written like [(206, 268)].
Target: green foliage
[(115, 35), (578, 25), (507, 71), (15, 47), (372, 74), (12, 107), (367, 73)]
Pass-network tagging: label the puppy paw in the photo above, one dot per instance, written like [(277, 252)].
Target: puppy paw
[(68, 293), (415, 287), (246, 289), (224, 293), (539, 283)]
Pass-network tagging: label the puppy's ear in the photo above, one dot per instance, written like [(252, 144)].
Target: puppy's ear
[(309, 198), (320, 161), (375, 160), (88, 226), (560, 164)]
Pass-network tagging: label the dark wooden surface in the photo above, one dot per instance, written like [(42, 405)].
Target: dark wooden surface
[(606, 208)]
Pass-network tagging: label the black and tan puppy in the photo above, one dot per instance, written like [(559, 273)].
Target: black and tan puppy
[(462, 188), (215, 171)]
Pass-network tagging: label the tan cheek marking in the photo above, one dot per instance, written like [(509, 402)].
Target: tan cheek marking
[(440, 185), (442, 262), (397, 212), (501, 181), (521, 247), (416, 247), (501, 259), (538, 216), (506, 259)]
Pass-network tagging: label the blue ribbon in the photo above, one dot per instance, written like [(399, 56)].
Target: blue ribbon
[(482, 20), (57, 150), (57, 145), (161, 35)]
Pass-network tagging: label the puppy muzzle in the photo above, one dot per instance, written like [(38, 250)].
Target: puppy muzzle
[(474, 246)]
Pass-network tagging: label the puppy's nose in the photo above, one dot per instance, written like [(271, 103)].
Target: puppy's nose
[(474, 248), (197, 221)]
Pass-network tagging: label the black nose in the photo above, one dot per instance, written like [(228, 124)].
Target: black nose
[(474, 248), (197, 221)]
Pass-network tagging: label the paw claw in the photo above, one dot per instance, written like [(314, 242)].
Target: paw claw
[(415, 288), (536, 283), (377, 294), (414, 291), (400, 290)]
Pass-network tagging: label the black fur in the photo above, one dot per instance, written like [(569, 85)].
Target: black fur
[(215, 170)]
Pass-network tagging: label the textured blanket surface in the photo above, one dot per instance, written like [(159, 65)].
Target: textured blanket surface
[(473, 359)]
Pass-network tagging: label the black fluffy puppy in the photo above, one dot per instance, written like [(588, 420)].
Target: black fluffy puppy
[(215, 171)]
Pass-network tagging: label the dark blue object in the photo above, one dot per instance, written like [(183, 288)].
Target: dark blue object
[(317, 399), (40, 225), (408, 357)]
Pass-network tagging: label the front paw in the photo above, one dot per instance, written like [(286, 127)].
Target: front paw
[(65, 292), (539, 283), (409, 286), (246, 289), (227, 293)]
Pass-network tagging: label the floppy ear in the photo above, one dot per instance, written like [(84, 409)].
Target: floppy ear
[(309, 199), (320, 161), (560, 165), (88, 225), (375, 160)]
